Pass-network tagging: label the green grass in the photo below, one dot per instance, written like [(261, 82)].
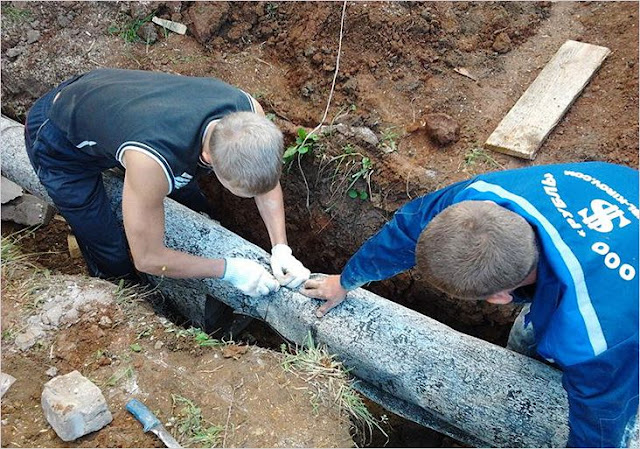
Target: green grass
[(271, 10), (364, 172), (12, 256), (200, 337), (10, 252), (347, 169), (8, 335), (330, 381), (126, 293), (190, 428), (479, 155), (14, 14), (123, 373), (128, 29), (388, 141)]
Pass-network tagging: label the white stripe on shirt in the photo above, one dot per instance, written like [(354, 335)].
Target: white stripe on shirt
[(153, 154)]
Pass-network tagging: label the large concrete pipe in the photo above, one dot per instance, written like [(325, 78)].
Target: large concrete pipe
[(476, 392)]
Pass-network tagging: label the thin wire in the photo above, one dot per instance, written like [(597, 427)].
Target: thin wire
[(335, 74), (333, 85)]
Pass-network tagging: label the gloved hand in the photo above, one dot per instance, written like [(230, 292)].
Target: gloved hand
[(288, 270), (249, 277)]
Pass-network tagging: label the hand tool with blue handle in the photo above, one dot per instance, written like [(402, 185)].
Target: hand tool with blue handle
[(150, 422)]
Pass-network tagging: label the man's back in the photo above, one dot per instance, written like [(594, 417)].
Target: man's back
[(585, 305)]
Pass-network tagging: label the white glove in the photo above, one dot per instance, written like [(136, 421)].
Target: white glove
[(288, 270), (249, 277)]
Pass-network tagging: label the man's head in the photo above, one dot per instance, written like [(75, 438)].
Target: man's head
[(477, 249), (246, 152)]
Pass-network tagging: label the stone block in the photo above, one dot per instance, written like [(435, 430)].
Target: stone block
[(74, 406), (27, 210), (9, 190), (6, 380)]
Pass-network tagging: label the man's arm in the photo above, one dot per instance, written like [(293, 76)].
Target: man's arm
[(271, 208), (393, 249), (287, 269), (145, 187), (389, 252)]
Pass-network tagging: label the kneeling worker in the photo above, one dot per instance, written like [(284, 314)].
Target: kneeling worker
[(165, 130), (563, 238)]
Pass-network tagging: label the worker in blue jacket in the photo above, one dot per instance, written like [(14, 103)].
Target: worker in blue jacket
[(563, 238)]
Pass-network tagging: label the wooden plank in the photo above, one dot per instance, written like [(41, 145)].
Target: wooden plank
[(529, 122)]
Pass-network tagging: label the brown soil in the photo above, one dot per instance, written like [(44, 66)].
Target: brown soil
[(397, 65), (243, 389)]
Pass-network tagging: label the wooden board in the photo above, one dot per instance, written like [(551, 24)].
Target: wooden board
[(522, 131)]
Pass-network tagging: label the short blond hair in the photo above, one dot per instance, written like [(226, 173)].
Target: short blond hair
[(475, 249), (246, 150)]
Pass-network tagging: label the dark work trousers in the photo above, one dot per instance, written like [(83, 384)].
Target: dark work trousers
[(73, 180)]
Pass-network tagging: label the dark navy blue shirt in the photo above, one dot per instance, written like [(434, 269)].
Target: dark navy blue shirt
[(584, 309), (107, 112)]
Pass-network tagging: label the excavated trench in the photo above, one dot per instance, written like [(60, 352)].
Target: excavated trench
[(324, 226), (327, 232), (19, 169)]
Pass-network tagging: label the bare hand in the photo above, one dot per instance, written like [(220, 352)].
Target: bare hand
[(327, 289)]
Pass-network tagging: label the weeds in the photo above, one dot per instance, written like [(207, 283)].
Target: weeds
[(37, 302), (14, 14), (305, 142), (189, 424), (271, 10), (330, 379), (476, 155), (126, 294), (129, 29), (8, 335), (12, 256), (388, 142), (200, 337), (365, 172), (349, 168), (10, 252), (146, 332), (124, 373)]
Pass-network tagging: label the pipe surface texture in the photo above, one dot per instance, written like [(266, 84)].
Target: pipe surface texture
[(471, 390)]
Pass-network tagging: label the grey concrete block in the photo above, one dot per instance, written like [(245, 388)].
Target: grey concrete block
[(9, 190), (74, 406), (6, 380), (27, 210)]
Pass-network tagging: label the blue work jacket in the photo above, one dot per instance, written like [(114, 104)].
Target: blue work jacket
[(585, 307)]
